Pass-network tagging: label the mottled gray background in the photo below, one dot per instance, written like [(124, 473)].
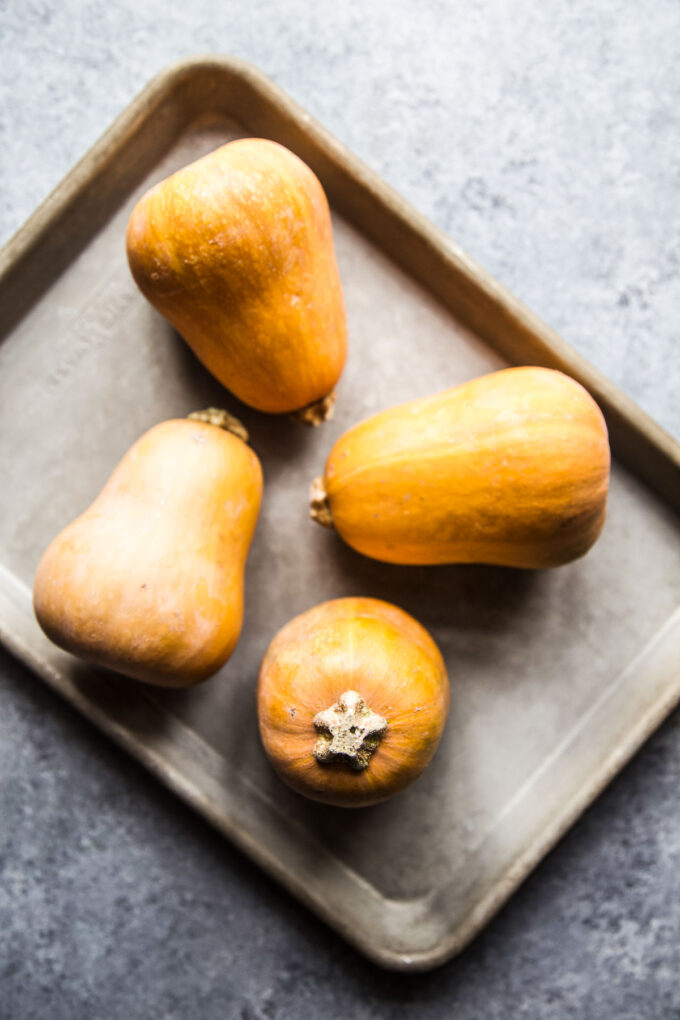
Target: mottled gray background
[(545, 138)]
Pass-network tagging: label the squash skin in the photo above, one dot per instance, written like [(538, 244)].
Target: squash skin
[(148, 581), (385, 655), (510, 469), (236, 250)]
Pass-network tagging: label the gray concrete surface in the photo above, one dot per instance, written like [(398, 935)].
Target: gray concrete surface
[(545, 138)]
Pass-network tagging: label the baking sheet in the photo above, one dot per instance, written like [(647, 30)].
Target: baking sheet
[(557, 675)]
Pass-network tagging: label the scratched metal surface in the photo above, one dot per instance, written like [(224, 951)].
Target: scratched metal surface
[(550, 683)]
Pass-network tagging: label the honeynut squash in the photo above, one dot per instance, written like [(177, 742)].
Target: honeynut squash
[(511, 468), (352, 699), (148, 581), (236, 250)]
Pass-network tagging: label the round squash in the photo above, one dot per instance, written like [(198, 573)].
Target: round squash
[(149, 580), (236, 250), (352, 699), (510, 469)]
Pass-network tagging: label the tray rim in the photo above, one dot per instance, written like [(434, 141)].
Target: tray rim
[(558, 354)]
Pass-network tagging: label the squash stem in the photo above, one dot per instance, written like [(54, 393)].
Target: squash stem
[(349, 732), (319, 506), (316, 413), (222, 419)]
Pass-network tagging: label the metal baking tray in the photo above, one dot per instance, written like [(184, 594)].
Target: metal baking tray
[(558, 676)]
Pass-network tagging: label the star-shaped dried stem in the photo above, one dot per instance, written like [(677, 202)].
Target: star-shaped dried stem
[(349, 732)]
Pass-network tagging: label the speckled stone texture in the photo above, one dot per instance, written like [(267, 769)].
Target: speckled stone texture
[(545, 139)]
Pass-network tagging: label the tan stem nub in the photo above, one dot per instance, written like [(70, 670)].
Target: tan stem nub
[(319, 507), (223, 420), (316, 413), (349, 732)]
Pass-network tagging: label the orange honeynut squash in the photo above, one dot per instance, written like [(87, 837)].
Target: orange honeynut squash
[(149, 580), (352, 700), (236, 250), (511, 469)]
